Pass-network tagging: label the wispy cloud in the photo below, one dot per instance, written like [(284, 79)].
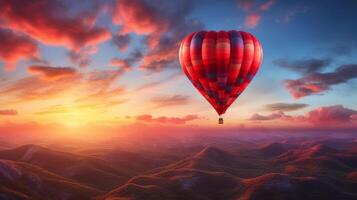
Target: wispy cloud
[(175, 100), (285, 107), (254, 10), (51, 73), (121, 41), (128, 62), (322, 115), (8, 112), (166, 120), (317, 83), (292, 12)]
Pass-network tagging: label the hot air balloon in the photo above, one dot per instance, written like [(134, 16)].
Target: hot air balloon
[(220, 65)]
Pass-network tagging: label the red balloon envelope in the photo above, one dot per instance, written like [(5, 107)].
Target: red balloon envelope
[(220, 64)]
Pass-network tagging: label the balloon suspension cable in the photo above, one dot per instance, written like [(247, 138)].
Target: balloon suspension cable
[(220, 120)]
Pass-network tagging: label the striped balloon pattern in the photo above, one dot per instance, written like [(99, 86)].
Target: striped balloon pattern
[(220, 64)]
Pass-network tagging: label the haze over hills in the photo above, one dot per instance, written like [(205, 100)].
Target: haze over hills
[(225, 167)]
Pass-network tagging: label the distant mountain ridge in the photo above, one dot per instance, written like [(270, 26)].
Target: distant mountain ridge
[(270, 170)]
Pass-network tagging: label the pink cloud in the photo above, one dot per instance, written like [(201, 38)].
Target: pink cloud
[(163, 25), (16, 47), (252, 20), (323, 115), (166, 120), (140, 17), (336, 113), (246, 4), (267, 5), (50, 22), (254, 11)]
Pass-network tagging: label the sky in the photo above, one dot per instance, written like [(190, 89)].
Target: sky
[(78, 64)]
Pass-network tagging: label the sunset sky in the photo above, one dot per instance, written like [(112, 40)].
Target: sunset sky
[(115, 63)]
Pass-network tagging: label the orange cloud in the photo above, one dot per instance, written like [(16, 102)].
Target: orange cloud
[(9, 112), (162, 101), (51, 23), (166, 120), (91, 86), (51, 73), (15, 47), (33, 88), (285, 106)]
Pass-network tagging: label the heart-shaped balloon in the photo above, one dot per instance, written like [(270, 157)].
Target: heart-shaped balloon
[(220, 64)]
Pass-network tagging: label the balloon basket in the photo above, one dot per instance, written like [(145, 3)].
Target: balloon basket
[(220, 120)]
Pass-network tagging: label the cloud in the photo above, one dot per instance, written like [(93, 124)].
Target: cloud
[(51, 73), (317, 83), (141, 17), (87, 107), (8, 112), (166, 120), (91, 86), (100, 86), (254, 10), (304, 66), (323, 115), (154, 84), (174, 100), (291, 13), (252, 20), (336, 113), (163, 25), (82, 57), (128, 62), (273, 116), (266, 5), (285, 107), (246, 4), (52, 23), (35, 88), (16, 47), (121, 41)]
